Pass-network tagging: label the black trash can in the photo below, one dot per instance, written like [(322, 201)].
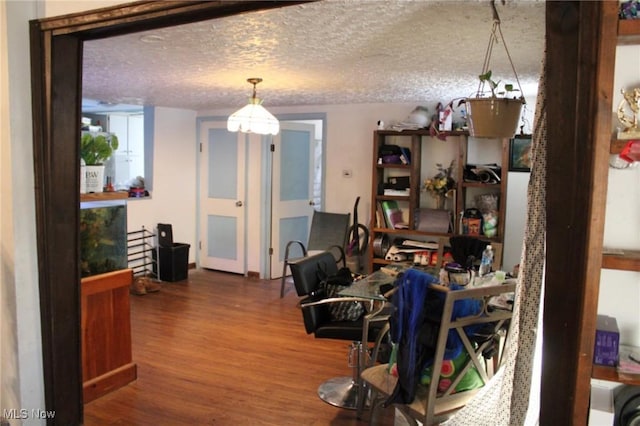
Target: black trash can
[(171, 260)]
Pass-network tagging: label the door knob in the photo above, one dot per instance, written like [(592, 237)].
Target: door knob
[(311, 203), (238, 203)]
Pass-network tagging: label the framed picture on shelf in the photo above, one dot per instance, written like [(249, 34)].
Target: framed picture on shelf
[(520, 153)]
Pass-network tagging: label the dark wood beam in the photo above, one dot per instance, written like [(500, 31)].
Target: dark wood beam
[(147, 15), (579, 77)]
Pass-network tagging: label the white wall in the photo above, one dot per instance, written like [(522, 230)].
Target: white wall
[(515, 218), (21, 382), (620, 290), (173, 198), (349, 146)]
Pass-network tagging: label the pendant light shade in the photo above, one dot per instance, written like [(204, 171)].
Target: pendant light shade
[(253, 118)]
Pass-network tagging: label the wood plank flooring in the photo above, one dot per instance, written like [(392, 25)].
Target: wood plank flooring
[(221, 349)]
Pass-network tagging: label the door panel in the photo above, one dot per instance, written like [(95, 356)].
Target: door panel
[(222, 188), (292, 196)]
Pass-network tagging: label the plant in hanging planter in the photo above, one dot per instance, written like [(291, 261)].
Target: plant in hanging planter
[(494, 116), (507, 88)]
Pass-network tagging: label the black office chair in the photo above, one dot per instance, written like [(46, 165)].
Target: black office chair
[(328, 232), (467, 251), (341, 392)]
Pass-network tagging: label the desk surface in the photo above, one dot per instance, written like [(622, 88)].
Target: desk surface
[(369, 286)]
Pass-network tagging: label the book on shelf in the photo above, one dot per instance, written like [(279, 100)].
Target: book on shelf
[(393, 215), (382, 222), (430, 245), (405, 155), (399, 192)]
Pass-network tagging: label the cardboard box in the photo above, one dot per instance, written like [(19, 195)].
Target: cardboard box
[(607, 341)]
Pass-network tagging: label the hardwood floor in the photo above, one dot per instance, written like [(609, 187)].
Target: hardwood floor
[(221, 349)]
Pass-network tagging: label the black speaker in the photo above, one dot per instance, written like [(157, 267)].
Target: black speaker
[(626, 402)]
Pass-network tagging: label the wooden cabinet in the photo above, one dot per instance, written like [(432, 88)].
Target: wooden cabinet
[(106, 333), (128, 159), (425, 152)]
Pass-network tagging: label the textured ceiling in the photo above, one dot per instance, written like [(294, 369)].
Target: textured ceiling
[(328, 52)]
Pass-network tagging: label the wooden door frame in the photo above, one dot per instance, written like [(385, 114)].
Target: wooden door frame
[(56, 82), (576, 146)]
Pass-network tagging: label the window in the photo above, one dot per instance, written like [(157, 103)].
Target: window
[(131, 164)]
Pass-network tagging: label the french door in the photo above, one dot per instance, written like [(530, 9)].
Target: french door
[(222, 198), (295, 162)]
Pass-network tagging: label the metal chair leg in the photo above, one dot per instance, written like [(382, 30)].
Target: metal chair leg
[(282, 280), (344, 392)]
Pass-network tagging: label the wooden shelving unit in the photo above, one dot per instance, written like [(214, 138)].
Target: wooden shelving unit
[(617, 145), (416, 141), (626, 260), (628, 32), (622, 259)]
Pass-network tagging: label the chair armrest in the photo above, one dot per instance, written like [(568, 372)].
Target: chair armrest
[(288, 247), (341, 254), (331, 300)]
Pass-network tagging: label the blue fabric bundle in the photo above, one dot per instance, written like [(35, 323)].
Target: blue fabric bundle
[(414, 329)]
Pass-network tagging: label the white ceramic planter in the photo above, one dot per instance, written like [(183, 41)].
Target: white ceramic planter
[(94, 177), (83, 177)]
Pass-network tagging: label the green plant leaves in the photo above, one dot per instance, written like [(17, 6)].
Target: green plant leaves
[(95, 150)]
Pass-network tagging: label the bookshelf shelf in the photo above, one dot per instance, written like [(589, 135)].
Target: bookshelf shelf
[(421, 145), (624, 260), (611, 374)]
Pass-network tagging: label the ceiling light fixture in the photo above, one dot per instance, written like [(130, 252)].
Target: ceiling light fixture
[(253, 118)]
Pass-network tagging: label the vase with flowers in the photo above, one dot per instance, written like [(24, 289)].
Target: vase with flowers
[(440, 184)]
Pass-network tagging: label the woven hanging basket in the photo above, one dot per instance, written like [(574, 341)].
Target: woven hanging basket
[(493, 117)]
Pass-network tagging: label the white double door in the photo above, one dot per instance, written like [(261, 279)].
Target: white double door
[(252, 198)]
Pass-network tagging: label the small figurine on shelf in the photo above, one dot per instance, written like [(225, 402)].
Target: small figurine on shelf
[(630, 102), (109, 186)]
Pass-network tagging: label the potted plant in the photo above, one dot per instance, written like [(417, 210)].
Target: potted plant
[(95, 149), (497, 115)]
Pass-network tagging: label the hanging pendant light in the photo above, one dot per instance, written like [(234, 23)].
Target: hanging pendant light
[(253, 118)]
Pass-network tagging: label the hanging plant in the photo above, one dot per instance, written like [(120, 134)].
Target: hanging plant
[(496, 115)]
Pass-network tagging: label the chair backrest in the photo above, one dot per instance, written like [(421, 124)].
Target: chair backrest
[(464, 246), (468, 322), (328, 229), (307, 283)]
